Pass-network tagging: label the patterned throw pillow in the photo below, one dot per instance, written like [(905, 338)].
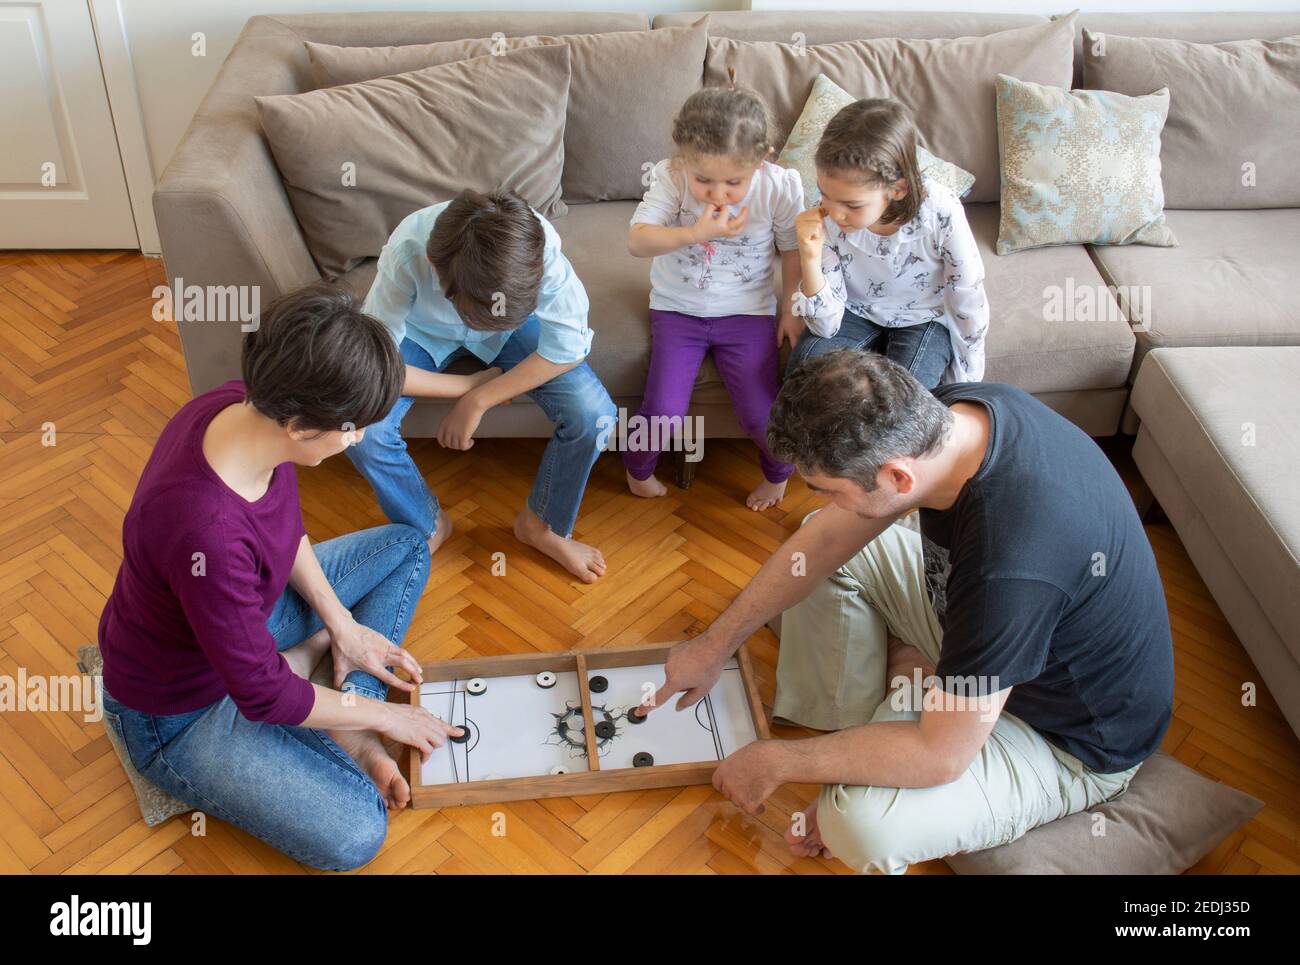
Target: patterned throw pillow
[(825, 102), (1080, 167)]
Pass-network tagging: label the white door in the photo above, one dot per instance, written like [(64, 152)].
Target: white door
[(61, 180)]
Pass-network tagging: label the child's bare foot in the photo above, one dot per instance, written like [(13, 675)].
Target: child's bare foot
[(648, 487), (583, 561), (440, 532), (765, 495), (365, 747)]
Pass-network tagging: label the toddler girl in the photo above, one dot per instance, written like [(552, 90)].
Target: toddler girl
[(710, 220)]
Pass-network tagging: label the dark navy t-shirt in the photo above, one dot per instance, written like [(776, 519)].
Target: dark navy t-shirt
[(1041, 576)]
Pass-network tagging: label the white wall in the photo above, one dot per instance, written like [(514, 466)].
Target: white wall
[(171, 81)]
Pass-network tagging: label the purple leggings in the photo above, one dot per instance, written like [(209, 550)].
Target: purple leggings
[(745, 352)]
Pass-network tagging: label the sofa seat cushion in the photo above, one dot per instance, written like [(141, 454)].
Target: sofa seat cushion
[(1231, 281), (1227, 420), (1030, 343)]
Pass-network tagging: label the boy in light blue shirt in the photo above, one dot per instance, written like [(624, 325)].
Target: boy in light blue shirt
[(484, 275)]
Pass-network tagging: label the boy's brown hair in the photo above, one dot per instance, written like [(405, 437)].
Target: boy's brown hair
[(487, 250), (732, 122), (872, 142)]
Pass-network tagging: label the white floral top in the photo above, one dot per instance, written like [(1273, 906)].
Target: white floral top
[(928, 271), (729, 276)]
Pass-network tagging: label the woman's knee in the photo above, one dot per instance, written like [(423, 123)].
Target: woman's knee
[(354, 844)]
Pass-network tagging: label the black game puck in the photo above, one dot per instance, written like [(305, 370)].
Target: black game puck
[(605, 729), (463, 737), (598, 685), (643, 759), (634, 716)]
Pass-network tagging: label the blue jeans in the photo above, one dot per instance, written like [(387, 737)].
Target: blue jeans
[(292, 787), (574, 402), (924, 350)]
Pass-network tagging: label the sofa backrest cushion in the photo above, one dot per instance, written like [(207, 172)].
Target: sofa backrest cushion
[(1233, 134), (1198, 27), (358, 158), (626, 87), (947, 84)]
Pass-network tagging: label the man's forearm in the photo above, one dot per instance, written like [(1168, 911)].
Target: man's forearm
[(815, 551), (886, 753)]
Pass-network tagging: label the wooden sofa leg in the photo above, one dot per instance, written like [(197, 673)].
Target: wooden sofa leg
[(685, 469)]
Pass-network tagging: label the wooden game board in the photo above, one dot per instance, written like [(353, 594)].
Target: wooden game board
[(520, 724)]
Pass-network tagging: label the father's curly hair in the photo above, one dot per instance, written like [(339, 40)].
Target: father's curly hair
[(848, 412)]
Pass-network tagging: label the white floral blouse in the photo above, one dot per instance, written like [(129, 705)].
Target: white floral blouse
[(929, 270)]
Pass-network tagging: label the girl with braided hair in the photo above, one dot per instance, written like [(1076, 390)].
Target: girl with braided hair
[(888, 260)]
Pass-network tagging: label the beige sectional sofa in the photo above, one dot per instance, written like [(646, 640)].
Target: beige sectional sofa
[(225, 219), (1219, 445)]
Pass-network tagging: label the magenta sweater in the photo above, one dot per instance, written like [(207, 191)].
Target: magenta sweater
[(201, 569)]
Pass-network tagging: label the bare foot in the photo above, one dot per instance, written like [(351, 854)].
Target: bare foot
[(365, 747), (809, 844), (765, 495), (583, 561), (303, 657), (440, 532), (648, 487)]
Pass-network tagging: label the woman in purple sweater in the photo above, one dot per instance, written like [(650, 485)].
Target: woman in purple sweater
[(222, 608)]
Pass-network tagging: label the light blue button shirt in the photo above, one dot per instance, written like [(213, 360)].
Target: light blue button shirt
[(407, 298)]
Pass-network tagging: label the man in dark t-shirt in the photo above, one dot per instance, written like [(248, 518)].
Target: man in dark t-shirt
[(1041, 575), (977, 617)]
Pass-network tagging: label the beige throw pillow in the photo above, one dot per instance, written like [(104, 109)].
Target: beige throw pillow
[(1232, 139), (626, 87), (359, 158), (947, 84), (827, 100), (1079, 167)]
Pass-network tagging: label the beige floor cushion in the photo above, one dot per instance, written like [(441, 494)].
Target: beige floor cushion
[(1169, 818), (156, 805)]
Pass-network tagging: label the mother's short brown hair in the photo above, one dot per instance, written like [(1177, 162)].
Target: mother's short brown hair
[(317, 362)]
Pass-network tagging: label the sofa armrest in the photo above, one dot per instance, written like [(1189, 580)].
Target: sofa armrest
[(223, 214)]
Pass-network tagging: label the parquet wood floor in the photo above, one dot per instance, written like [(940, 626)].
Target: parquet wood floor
[(81, 351)]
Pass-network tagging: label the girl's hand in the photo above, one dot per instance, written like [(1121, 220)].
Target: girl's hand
[(811, 233), (415, 727), (357, 647), (791, 326), (714, 223)]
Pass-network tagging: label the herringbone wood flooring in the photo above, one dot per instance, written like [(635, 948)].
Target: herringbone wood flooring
[(81, 351)]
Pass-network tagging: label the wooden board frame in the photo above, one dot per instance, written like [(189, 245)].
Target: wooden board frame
[(594, 780)]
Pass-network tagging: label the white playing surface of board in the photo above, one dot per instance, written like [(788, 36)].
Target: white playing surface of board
[(519, 729)]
